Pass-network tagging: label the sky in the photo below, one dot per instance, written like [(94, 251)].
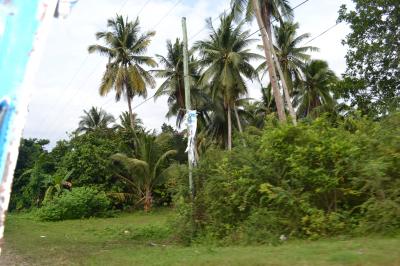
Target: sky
[(68, 78)]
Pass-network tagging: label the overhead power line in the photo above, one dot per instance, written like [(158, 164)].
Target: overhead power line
[(197, 33), (75, 75), (297, 6), (205, 27), (322, 33), (143, 7), (167, 14), (156, 25)]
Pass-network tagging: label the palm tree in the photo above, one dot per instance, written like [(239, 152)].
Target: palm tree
[(125, 48), (264, 11), (255, 112), (142, 173), (173, 86), (314, 93), (94, 119), (225, 58), (125, 122), (291, 57)]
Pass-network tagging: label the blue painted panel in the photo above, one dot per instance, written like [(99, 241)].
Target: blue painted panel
[(18, 25)]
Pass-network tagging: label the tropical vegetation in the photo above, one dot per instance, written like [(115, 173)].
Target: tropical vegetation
[(263, 172)]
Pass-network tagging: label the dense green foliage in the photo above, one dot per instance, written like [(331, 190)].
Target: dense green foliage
[(80, 203), (373, 63), (321, 178), (258, 178), (31, 174)]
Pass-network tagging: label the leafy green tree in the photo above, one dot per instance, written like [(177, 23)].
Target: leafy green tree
[(34, 190), (34, 165), (144, 172), (125, 48), (315, 91), (94, 119), (226, 58), (29, 152), (373, 59), (88, 155)]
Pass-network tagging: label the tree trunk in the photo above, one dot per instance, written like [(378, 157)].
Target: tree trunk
[(239, 124), (288, 79), (284, 85), (229, 128), (132, 118), (148, 200), (238, 120), (271, 67)]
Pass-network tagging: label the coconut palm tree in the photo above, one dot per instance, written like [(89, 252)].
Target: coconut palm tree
[(94, 119), (125, 122), (255, 112), (291, 56), (125, 48), (225, 59), (143, 172), (314, 93), (264, 11), (173, 86)]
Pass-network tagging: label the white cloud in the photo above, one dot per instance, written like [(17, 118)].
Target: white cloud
[(59, 98)]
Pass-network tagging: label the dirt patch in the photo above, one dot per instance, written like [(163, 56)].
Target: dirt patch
[(9, 258)]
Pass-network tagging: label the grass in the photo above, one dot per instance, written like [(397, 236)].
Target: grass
[(142, 239)]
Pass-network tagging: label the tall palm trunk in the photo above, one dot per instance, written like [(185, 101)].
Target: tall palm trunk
[(238, 120), (288, 79), (132, 118), (271, 68), (239, 124), (284, 85), (229, 128)]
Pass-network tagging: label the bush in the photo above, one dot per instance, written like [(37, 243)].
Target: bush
[(263, 227), (321, 178), (81, 202)]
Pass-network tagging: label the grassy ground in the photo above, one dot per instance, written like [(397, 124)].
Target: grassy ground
[(141, 239)]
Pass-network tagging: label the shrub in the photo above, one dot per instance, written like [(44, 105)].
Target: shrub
[(321, 178), (263, 226), (81, 202)]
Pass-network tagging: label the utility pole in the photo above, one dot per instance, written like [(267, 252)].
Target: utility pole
[(187, 97)]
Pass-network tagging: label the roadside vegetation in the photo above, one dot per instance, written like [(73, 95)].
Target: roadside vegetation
[(317, 158)]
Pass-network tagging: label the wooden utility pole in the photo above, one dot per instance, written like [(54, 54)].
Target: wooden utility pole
[(187, 93)]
